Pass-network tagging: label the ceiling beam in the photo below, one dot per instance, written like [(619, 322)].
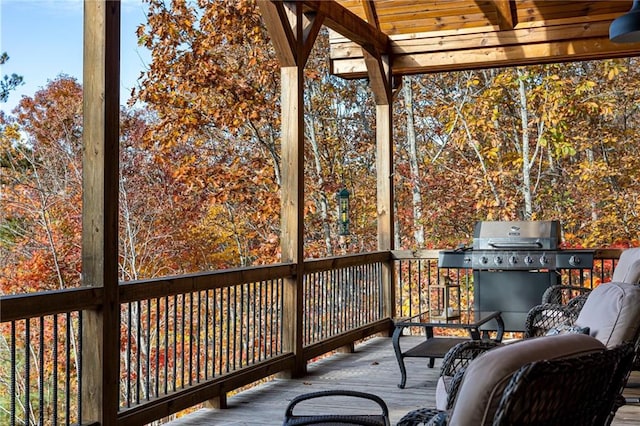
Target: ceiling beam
[(350, 25), (488, 57), (471, 41), (506, 18)]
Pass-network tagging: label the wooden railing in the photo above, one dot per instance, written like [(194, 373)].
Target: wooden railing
[(183, 340), (193, 339)]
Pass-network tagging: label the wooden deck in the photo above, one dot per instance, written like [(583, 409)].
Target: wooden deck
[(371, 368)]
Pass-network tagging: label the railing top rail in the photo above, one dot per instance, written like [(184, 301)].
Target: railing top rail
[(415, 254), (33, 305), (167, 286), (337, 262)]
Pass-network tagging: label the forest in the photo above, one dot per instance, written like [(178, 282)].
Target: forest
[(200, 163)]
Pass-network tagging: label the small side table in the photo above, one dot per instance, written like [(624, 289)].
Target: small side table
[(437, 346)]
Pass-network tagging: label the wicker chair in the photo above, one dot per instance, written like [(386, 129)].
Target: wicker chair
[(554, 380), (611, 314), (563, 294), (365, 419), (561, 304)]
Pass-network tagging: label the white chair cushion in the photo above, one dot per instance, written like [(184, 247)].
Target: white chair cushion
[(486, 376), (612, 313), (442, 392), (628, 267)]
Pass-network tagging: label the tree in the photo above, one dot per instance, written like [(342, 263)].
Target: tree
[(213, 87), (541, 142), (8, 83), (214, 96), (42, 201)]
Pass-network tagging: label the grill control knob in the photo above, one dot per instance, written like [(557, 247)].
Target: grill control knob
[(484, 260), (544, 260), (513, 260), (528, 260), (574, 260), (497, 260)]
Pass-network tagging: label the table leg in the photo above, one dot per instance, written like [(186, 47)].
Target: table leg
[(396, 348), (428, 331), (500, 331)]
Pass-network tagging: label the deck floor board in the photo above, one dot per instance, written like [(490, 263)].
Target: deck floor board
[(371, 368)]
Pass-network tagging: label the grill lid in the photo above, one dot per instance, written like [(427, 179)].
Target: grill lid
[(517, 235)]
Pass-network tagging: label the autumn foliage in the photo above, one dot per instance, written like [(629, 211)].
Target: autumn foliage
[(200, 162)]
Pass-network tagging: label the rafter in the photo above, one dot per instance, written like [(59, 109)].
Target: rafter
[(276, 19), (350, 25), (506, 18), (377, 65), (293, 33), (312, 23), (370, 13)]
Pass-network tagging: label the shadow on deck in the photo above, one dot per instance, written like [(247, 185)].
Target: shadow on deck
[(371, 368)]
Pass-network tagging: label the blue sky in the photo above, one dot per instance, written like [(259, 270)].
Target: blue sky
[(43, 39)]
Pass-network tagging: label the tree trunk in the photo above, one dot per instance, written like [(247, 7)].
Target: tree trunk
[(526, 165), (412, 150), (323, 202)]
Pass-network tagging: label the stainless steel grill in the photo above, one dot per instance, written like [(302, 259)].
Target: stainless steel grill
[(513, 263)]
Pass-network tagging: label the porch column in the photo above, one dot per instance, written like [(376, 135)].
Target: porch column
[(384, 167), (380, 78), (101, 105), (378, 63), (292, 214), (293, 34)]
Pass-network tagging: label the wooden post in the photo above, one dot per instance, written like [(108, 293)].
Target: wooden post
[(101, 106), (292, 214), (384, 167), (293, 34)]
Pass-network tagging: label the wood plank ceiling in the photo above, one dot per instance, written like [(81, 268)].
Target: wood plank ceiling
[(447, 35)]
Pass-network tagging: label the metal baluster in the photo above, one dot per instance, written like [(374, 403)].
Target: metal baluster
[(190, 338), (128, 372), (228, 321), (166, 344), (279, 290), (220, 323), (147, 333), (175, 342), (157, 366), (12, 379), (239, 322), (27, 371), (41, 373), (255, 305), (264, 309), (182, 343), (214, 325), (206, 334), (80, 366), (138, 351), (198, 331), (67, 378), (54, 395), (310, 303)]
